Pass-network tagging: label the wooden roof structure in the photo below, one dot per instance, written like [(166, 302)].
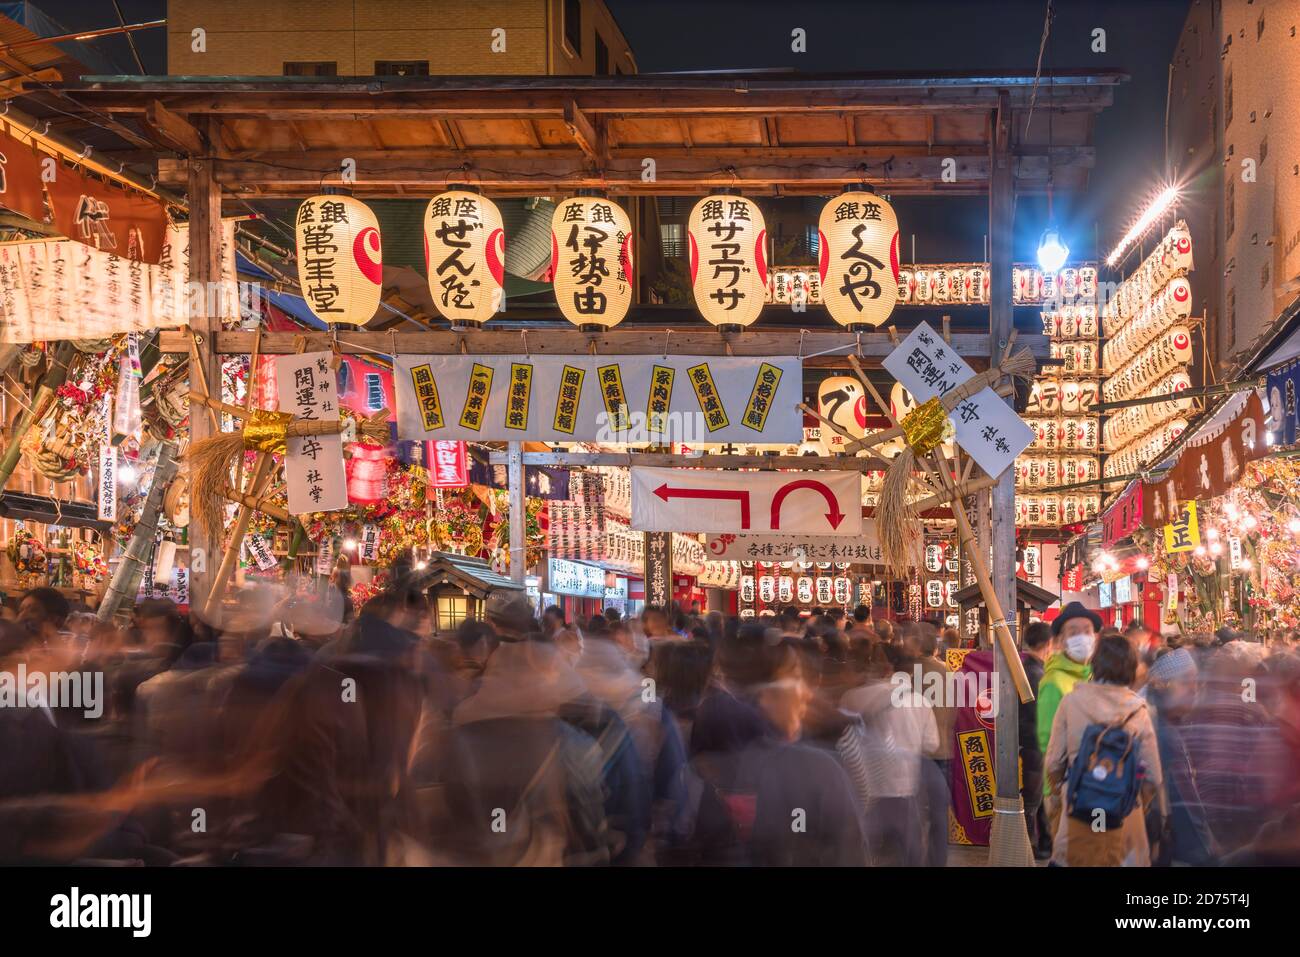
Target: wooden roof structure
[(762, 134)]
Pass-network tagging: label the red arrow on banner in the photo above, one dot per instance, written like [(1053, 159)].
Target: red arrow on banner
[(834, 516), (665, 492)]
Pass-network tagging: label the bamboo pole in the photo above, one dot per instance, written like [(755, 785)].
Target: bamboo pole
[(42, 403), (119, 589)]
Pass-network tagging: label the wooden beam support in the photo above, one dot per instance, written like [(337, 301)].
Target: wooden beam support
[(838, 463), (174, 131), (589, 136), (552, 340)]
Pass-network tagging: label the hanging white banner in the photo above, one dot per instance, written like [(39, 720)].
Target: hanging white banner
[(863, 549), (632, 399), (325, 555), (69, 290), (369, 544), (702, 500), (260, 549), (313, 468), (107, 465)]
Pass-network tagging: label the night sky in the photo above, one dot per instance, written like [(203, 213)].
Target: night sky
[(885, 35)]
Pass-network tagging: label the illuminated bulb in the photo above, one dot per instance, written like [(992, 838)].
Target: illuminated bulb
[(1149, 216), (127, 475), (1230, 510), (1216, 549), (421, 566), (1199, 551), (1212, 534), (1143, 563), (1293, 526), (1245, 564), (1052, 251), (1249, 522), (349, 544)]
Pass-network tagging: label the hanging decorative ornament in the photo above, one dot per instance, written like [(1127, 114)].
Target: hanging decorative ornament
[(464, 252), (858, 258), (591, 261), (728, 248), (340, 259), (126, 414)]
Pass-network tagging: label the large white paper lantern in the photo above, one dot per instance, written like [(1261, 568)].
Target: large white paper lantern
[(591, 261), (340, 258), (728, 248), (842, 400), (858, 259), (465, 251)]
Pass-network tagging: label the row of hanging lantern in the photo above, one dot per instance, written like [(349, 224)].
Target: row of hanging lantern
[(340, 260)]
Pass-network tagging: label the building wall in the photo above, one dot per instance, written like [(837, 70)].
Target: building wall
[(1251, 52), (257, 38)]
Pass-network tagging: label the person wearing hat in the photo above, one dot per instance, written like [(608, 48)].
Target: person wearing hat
[(1074, 635), (1184, 835)]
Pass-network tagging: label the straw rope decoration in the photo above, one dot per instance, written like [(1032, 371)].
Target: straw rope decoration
[(210, 460)]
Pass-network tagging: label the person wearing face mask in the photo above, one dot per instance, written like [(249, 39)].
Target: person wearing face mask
[(1074, 635), (1183, 836)]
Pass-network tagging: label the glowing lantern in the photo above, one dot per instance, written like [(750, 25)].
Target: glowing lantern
[(464, 251), (340, 259), (591, 261), (859, 259), (842, 400), (728, 241)]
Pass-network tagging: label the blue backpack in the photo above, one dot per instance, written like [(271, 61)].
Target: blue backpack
[(1104, 776)]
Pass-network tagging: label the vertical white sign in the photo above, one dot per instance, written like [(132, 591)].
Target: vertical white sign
[(313, 468), (370, 544), (107, 466)]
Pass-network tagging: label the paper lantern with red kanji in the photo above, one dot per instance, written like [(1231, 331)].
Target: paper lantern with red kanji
[(728, 247), (858, 259), (591, 261), (465, 254), (340, 259), (842, 400)]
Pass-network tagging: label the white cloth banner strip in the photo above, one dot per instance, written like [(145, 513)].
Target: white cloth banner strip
[(704, 500), (635, 399), (68, 290), (313, 469), (862, 549)]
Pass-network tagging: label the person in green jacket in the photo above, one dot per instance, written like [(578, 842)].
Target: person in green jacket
[(1074, 634)]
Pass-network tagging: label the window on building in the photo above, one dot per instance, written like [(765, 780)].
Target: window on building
[(452, 611), (401, 68), (811, 243), (344, 378), (374, 391), (1263, 150), (311, 68), (1264, 275), (672, 239), (1259, 26), (1227, 100), (602, 56), (573, 26), (1229, 206), (1231, 302)]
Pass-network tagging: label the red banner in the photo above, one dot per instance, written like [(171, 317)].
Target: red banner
[(20, 178), (973, 780), (113, 219), (448, 467)]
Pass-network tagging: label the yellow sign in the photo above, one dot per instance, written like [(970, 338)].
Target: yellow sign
[(715, 416), (566, 402), (978, 765), (426, 393), (1183, 535), (661, 394), (476, 397), (611, 391), (521, 388), (760, 397)]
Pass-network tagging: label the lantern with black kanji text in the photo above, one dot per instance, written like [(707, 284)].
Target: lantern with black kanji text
[(465, 252), (591, 261), (858, 258), (340, 258), (728, 249)]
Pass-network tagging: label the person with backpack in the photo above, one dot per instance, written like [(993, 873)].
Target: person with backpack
[(1103, 763)]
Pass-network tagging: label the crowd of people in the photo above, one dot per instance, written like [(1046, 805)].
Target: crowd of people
[(294, 731)]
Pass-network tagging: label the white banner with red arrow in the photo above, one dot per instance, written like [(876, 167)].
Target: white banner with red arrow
[(704, 500)]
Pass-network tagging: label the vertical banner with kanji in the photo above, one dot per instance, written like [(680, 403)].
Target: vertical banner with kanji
[(973, 780), (313, 468), (659, 568)]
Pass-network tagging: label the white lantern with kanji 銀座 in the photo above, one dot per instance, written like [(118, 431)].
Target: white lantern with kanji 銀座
[(858, 259), (728, 241), (340, 258), (465, 251), (591, 261)]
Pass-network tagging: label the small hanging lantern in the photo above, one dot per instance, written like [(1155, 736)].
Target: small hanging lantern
[(464, 252), (591, 261), (858, 258), (340, 259), (728, 248)]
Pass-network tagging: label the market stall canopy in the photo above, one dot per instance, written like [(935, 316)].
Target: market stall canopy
[(474, 575), (1028, 595), (526, 136)]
